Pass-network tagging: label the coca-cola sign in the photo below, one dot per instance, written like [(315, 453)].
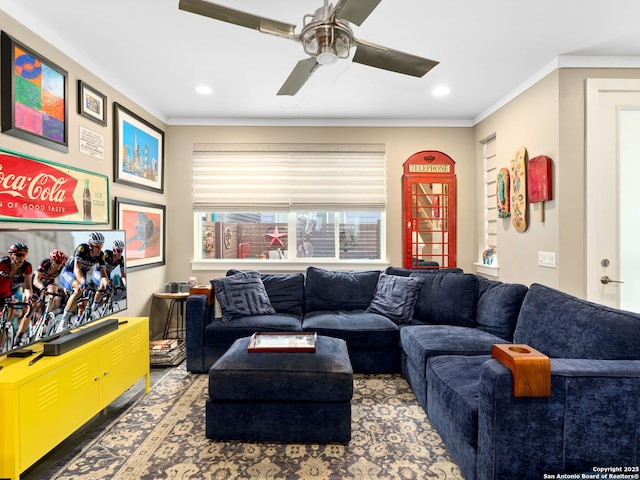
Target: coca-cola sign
[(35, 190)]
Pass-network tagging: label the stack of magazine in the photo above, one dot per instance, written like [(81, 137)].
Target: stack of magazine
[(167, 352)]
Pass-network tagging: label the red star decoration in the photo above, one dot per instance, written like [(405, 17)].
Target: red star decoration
[(276, 236)]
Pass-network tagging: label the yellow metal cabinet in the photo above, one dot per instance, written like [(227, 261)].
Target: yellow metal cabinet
[(42, 404)]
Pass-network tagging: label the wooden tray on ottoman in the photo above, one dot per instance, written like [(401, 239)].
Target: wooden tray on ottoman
[(283, 342)]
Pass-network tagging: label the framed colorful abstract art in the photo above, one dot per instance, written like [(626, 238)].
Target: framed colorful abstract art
[(34, 96)]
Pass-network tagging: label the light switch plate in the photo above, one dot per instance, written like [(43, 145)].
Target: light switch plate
[(547, 259)]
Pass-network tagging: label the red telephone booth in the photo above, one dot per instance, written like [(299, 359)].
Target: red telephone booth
[(429, 211)]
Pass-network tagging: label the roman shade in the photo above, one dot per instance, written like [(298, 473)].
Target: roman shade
[(288, 177)]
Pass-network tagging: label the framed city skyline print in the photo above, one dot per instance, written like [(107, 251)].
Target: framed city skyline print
[(145, 232), (92, 104), (138, 150), (34, 96)]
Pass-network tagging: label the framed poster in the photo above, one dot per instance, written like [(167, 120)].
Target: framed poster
[(144, 226), (138, 149), (34, 96), (35, 190), (92, 104)]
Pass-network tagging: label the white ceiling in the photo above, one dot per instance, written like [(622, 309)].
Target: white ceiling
[(488, 51)]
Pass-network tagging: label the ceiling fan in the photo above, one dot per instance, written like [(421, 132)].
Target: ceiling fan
[(326, 36)]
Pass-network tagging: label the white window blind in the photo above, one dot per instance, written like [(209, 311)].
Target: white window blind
[(242, 180), (491, 172), (288, 177)]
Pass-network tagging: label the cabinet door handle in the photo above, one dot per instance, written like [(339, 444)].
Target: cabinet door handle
[(106, 373), (95, 379)]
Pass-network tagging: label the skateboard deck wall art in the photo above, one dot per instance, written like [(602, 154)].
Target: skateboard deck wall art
[(518, 168)]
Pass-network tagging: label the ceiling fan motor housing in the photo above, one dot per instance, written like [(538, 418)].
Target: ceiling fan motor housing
[(326, 42)]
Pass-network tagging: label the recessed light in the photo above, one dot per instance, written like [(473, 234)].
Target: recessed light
[(440, 91), (204, 90)]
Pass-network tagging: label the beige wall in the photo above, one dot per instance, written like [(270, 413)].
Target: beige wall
[(400, 143), (530, 120), (548, 119), (142, 283)]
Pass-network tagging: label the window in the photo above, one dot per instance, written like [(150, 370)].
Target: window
[(289, 203)]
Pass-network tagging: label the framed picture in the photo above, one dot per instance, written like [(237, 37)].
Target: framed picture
[(92, 104), (138, 149), (144, 226), (283, 342), (34, 96), (36, 190)]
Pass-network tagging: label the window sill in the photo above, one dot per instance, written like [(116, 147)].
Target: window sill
[(287, 266), (488, 270)]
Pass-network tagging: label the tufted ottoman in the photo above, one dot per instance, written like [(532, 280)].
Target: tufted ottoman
[(281, 397)]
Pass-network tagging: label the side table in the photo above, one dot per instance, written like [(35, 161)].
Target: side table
[(177, 305)]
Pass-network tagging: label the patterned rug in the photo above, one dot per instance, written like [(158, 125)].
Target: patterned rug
[(161, 436)]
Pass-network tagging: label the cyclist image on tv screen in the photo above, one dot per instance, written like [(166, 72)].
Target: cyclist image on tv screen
[(45, 276), (75, 271), (112, 260), (15, 274)]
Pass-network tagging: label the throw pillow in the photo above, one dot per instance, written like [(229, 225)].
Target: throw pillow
[(447, 299), (242, 294), (396, 297), (327, 290), (285, 290)]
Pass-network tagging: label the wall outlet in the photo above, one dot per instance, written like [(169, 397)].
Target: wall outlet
[(547, 259)]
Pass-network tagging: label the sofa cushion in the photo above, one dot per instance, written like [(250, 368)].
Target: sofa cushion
[(447, 299), (285, 290), (453, 387), (223, 334), (563, 326), (498, 307), (396, 297), (242, 294), (420, 342), (405, 272), (357, 327), (338, 290)]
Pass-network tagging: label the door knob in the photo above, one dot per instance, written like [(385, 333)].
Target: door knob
[(605, 280)]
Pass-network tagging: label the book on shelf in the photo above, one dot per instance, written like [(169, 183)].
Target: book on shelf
[(163, 344)]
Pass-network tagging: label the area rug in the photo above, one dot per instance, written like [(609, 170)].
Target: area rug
[(161, 436)]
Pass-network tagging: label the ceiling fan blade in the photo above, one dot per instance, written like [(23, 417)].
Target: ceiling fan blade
[(298, 77), (392, 60), (355, 11), (236, 17)]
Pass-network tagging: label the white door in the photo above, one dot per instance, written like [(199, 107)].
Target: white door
[(613, 176)]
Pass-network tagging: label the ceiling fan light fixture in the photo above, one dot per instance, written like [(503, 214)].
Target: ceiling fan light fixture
[(327, 43), (327, 58)]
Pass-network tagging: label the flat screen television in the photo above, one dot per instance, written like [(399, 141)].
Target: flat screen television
[(44, 320)]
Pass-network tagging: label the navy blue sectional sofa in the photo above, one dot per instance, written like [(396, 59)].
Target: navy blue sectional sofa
[(442, 347)]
